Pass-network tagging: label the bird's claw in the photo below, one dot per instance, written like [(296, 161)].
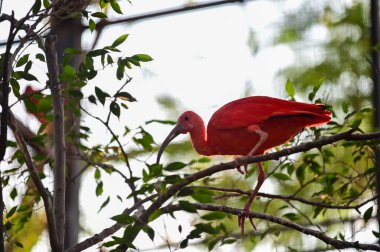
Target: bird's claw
[(241, 220), (238, 167)]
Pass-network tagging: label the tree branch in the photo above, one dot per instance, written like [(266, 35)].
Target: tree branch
[(308, 231), (172, 190), (59, 138), (108, 231), (125, 155), (45, 195), (238, 192)]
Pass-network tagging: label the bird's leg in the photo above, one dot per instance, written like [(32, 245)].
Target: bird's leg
[(246, 214), (238, 167), (263, 137), (260, 180)]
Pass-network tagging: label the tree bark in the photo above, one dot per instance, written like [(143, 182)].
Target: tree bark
[(69, 34)]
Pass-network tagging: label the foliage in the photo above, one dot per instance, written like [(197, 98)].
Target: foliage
[(341, 45), (307, 189)]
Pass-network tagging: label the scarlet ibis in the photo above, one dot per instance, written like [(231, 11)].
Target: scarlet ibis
[(39, 115), (248, 126)]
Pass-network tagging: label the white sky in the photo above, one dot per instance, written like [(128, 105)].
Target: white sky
[(202, 59)]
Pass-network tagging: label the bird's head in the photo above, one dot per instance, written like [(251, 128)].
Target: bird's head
[(185, 123)]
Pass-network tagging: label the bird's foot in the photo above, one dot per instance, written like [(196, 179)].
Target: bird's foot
[(241, 220), (238, 167)]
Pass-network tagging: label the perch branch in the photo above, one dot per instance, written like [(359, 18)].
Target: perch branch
[(172, 190)]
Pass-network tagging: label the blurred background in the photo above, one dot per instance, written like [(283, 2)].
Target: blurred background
[(205, 55)]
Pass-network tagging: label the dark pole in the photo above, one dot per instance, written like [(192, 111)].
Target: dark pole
[(376, 90)]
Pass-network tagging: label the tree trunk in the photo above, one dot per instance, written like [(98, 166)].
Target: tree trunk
[(69, 34)]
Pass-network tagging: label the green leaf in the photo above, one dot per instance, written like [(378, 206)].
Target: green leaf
[(142, 57), (97, 174), (149, 231), (36, 6), (145, 140), (26, 76), (173, 179), (105, 203), (206, 227), (11, 212), (47, 4), (92, 99), (214, 216), (289, 87), (125, 96), (157, 213), (19, 244), (40, 57), (185, 192), (229, 241), (184, 243), (368, 214), (28, 66), (115, 109), (187, 206), (11, 144), (300, 173), (376, 234), (120, 69), (116, 7), (13, 193), (120, 40), (133, 60), (99, 15), (317, 211), (345, 106), (161, 122), (281, 176), (99, 189), (15, 87), (175, 166), (101, 95), (91, 25), (45, 104), (356, 123), (291, 216), (96, 53), (202, 195), (22, 60), (123, 219), (318, 84)]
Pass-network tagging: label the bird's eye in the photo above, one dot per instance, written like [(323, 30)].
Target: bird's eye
[(186, 118)]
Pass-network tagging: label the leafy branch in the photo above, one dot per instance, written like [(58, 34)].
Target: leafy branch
[(143, 217), (234, 192), (338, 244)]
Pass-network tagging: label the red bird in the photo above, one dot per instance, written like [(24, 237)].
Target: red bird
[(39, 115), (248, 126)]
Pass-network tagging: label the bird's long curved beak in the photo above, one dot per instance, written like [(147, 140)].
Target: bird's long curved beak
[(173, 134)]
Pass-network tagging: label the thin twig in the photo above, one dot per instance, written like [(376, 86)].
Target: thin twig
[(104, 166), (308, 231), (58, 137), (238, 192), (125, 155)]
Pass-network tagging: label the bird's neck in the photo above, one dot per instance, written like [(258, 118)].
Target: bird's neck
[(199, 139)]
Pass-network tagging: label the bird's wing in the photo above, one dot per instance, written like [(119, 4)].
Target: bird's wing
[(256, 109)]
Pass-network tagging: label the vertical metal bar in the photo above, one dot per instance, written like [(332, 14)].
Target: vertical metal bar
[(376, 90)]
